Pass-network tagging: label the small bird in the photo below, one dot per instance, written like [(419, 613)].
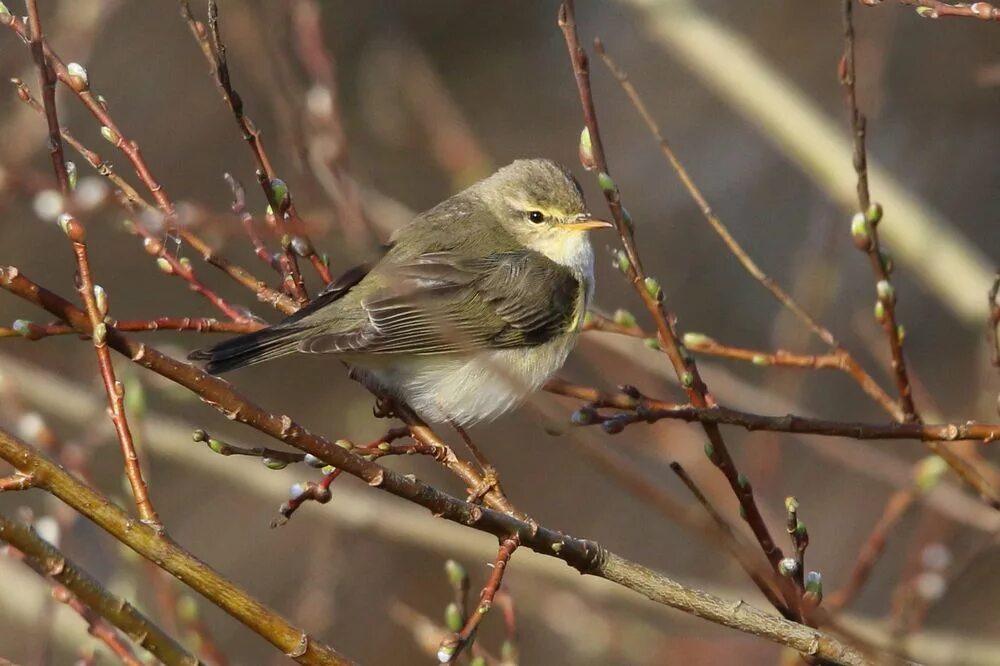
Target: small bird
[(475, 304)]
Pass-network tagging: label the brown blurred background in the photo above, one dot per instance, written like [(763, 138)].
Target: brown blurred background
[(435, 94)]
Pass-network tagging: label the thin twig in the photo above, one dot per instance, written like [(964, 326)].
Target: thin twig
[(452, 646), (29, 330), (47, 79), (933, 9), (649, 410), (652, 295), (115, 390), (993, 324), (49, 562), (864, 227)]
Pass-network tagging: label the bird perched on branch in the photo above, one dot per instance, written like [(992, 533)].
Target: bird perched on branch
[(477, 302)]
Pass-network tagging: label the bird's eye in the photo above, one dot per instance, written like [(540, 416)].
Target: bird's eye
[(536, 216)]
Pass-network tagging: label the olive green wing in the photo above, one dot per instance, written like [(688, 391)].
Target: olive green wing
[(440, 303)]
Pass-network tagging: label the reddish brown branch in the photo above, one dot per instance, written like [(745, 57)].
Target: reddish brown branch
[(933, 9), (649, 410), (115, 389), (28, 330), (864, 227), (993, 325), (47, 80), (16, 482), (651, 293), (452, 646)]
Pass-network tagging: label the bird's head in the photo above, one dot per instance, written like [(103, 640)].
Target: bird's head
[(540, 204)]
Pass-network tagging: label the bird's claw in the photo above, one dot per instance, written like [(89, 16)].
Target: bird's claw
[(489, 482)]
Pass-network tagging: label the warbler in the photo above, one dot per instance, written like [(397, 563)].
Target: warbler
[(474, 305)]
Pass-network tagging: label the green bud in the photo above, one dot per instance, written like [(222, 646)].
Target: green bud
[(900, 332), (760, 359), (445, 653), (457, 575), (328, 469), (218, 447), (622, 262), (101, 296), (22, 327), (791, 504), (587, 150), (652, 343), (927, 12), (71, 175), (860, 231), (743, 482), (624, 318), (78, 76), (687, 379), (929, 472), (814, 585), (110, 135), (478, 661), (709, 450), (64, 221), (653, 288), (879, 312), (344, 444), (384, 446), (556, 546), (199, 435), (874, 213), (788, 567), (801, 531), (282, 198), (453, 617), (164, 265), (607, 185), (100, 334), (103, 102), (313, 461), (696, 340), (886, 292), (274, 463)]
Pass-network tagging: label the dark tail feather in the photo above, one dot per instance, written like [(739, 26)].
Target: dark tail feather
[(248, 349)]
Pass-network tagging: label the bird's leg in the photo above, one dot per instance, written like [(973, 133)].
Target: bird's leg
[(491, 480)]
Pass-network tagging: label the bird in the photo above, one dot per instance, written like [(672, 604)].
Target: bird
[(475, 303)]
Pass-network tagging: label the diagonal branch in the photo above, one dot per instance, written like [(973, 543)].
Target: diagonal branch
[(50, 563)]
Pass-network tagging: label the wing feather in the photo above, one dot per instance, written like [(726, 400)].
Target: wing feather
[(440, 303)]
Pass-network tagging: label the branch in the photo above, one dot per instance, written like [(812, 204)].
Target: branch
[(592, 153), (166, 554), (96, 304), (49, 562), (47, 79), (642, 409), (933, 9), (587, 557), (864, 226), (23, 328)]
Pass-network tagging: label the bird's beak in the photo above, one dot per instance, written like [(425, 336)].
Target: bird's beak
[(584, 223)]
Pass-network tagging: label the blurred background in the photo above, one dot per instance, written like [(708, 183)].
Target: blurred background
[(434, 95)]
